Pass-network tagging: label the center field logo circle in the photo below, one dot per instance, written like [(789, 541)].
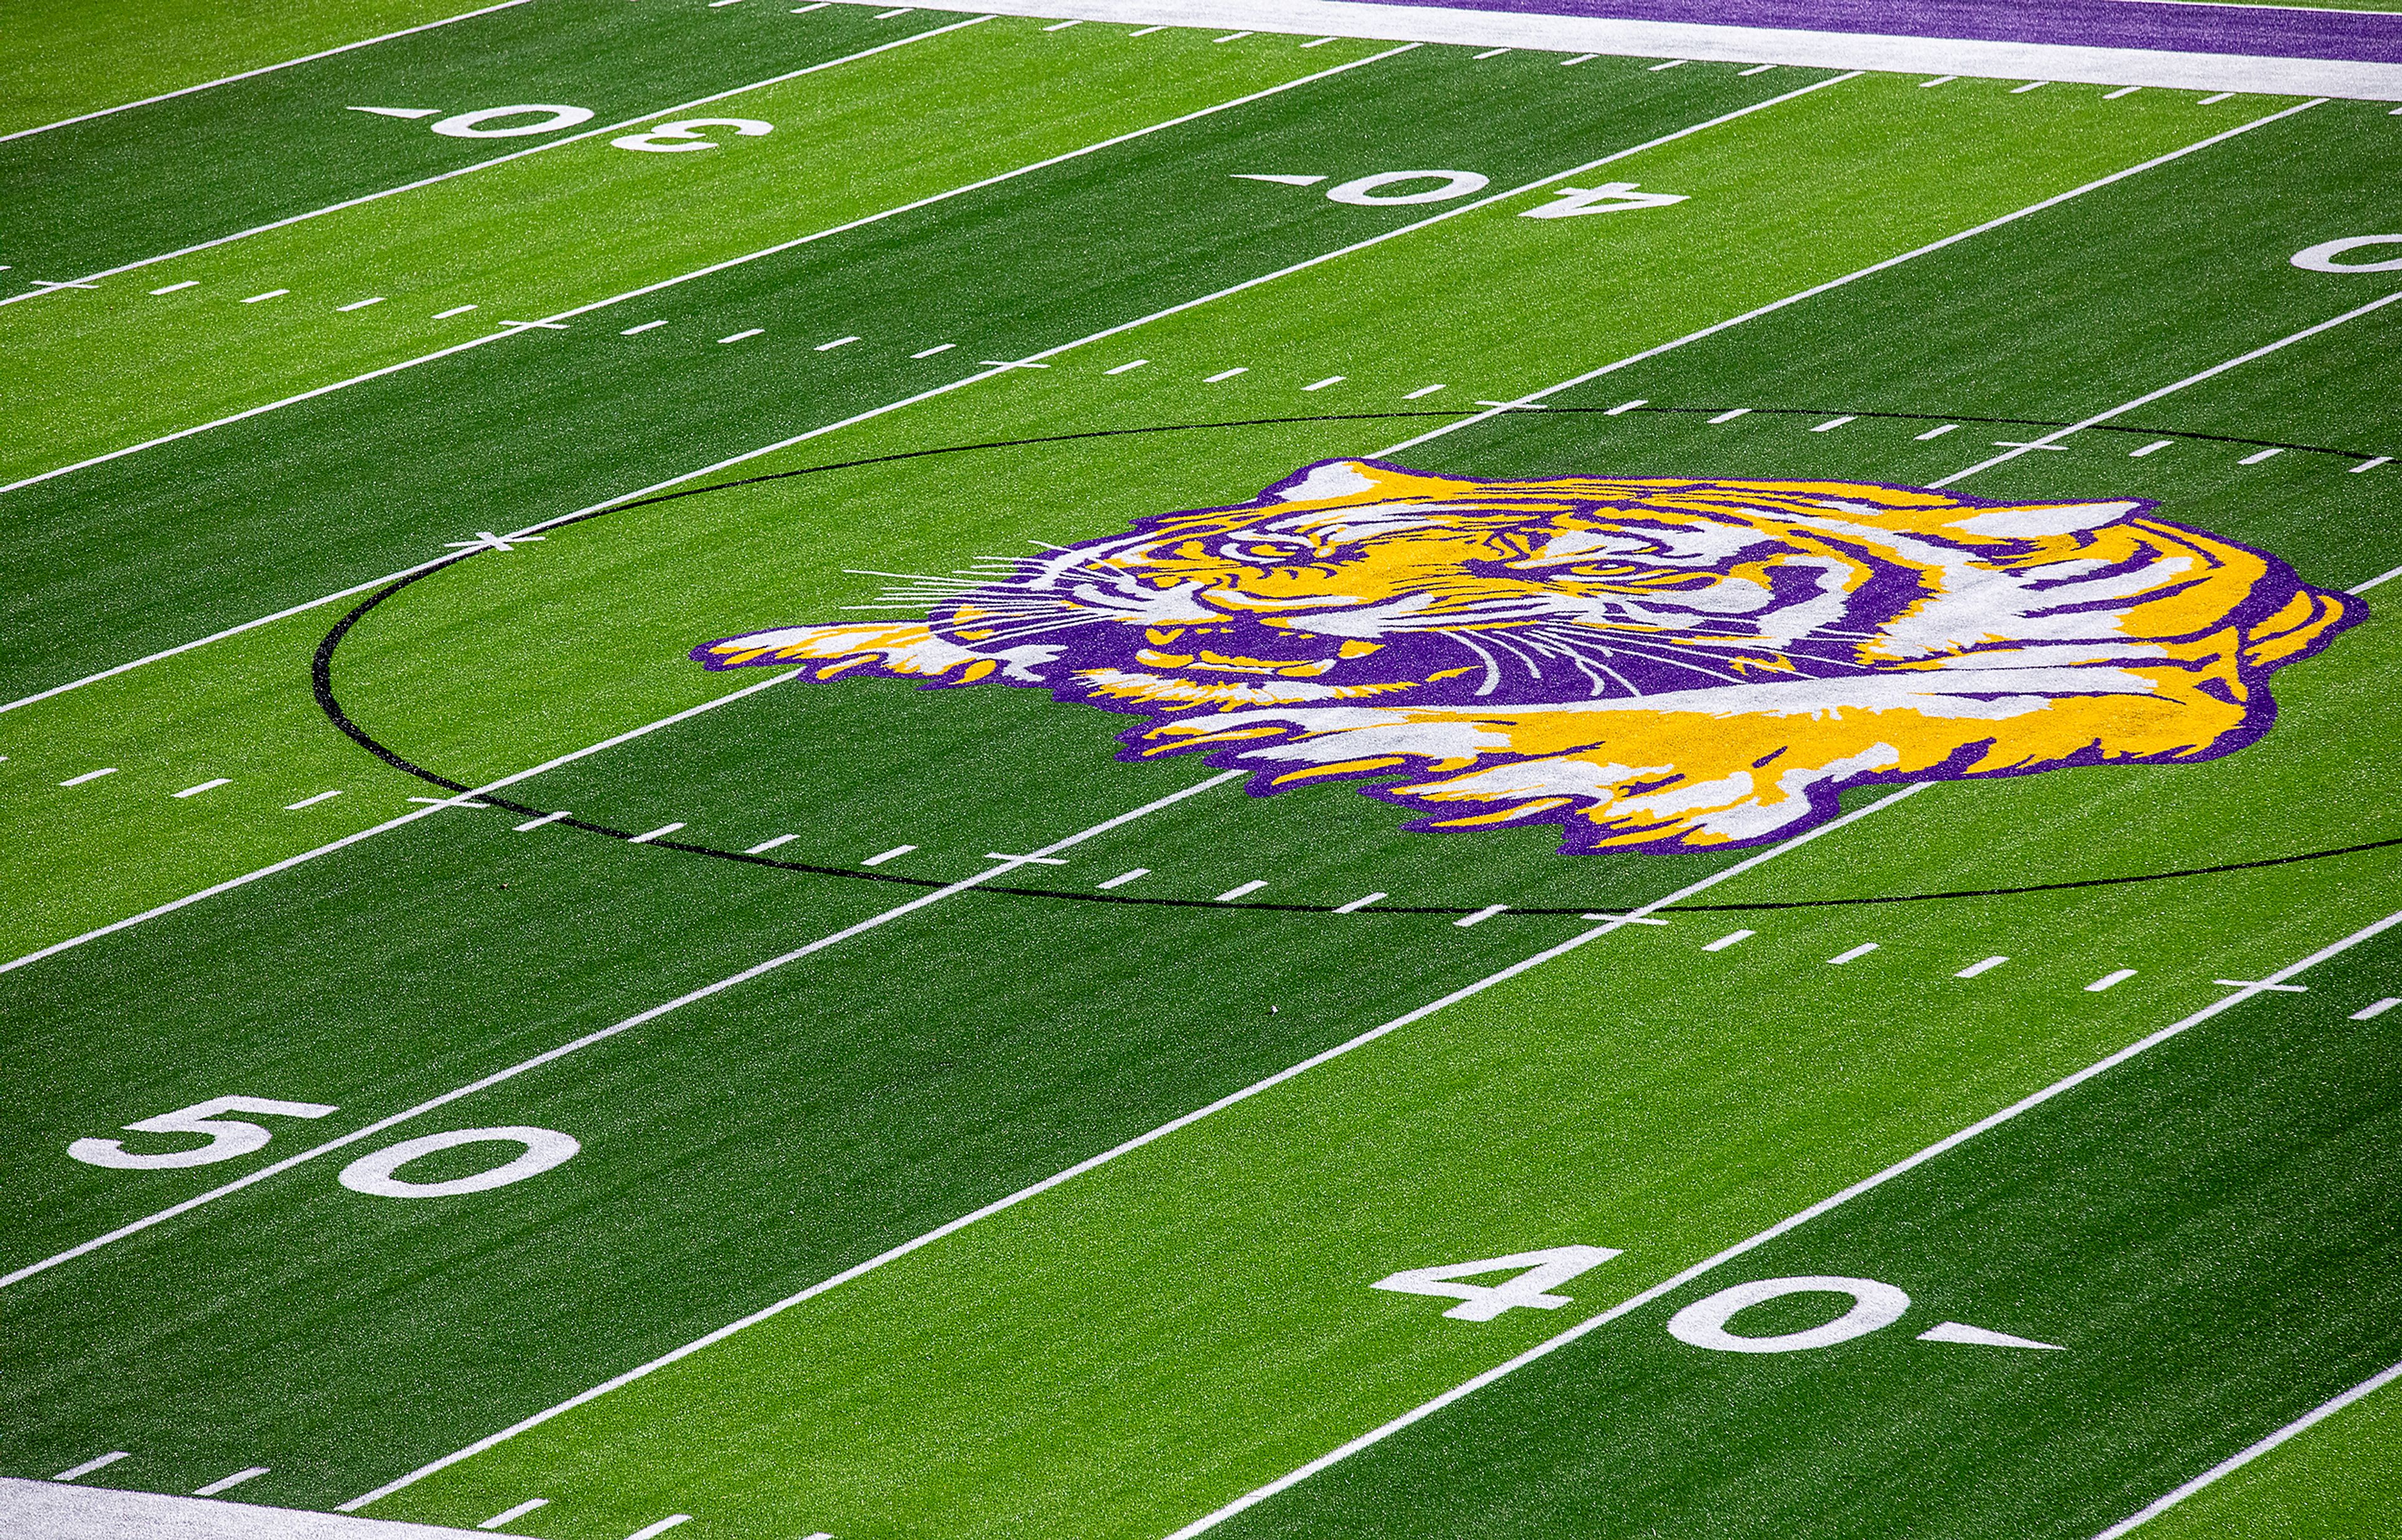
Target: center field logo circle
[(1704, 1323), (324, 669), (377, 1175)]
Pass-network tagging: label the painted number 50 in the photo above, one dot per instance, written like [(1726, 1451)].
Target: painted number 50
[(228, 1139)]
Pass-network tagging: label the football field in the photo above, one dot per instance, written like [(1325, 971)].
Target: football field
[(825, 772)]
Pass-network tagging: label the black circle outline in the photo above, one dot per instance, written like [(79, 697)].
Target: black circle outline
[(322, 677)]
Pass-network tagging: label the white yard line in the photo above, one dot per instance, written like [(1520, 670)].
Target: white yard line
[(263, 69), (872, 412), (434, 807), (2237, 1462), (1824, 1206), (557, 319), (1816, 289), (498, 160), (1105, 1156), (654, 1013), (2054, 437)]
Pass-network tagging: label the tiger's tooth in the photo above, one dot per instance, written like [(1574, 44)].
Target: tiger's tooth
[(1151, 658), (1359, 649)]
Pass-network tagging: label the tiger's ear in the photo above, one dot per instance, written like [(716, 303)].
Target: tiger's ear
[(2037, 520), (1354, 480)]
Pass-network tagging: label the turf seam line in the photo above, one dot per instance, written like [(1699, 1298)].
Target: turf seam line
[(290, 861), (554, 321), (2237, 1462), (1105, 1156), (2015, 451), (1824, 1206), (1818, 289), (499, 160), (872, 412), (494, 336), (263, 69), (588, 1039)]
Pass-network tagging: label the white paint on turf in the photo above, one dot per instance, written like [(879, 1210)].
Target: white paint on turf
[(2234, 1462), (503, 160), (41, 1510), (263, 69), (434, 805), (603, 1035), (1668, 1285), (1832, 284), (1105, 1156)]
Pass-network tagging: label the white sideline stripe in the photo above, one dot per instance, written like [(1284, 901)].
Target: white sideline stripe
[(639, 1018), (437, 805), (561, 316), (1698, 42), (263, 69), (2237, 1462), (2149, 396), (705, 470), (1824, 1206), (1105, 1156), (500, 160), (1816, 289)]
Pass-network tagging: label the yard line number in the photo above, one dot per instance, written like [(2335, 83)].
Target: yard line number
[(376, 1174)]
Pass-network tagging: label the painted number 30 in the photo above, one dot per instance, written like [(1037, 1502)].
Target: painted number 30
[(378, 1175)]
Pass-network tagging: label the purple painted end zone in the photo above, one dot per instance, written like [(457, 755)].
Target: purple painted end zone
[(2260, 30)]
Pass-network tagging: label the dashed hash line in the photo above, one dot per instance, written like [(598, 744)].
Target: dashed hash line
[(1543, 1348), (988, 373), (485, 165), (1006, 865), (1105, 1156)]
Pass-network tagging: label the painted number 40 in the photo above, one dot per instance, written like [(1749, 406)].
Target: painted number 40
[(1537, 1272)]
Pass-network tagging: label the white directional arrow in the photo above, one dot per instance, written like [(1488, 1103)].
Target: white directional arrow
[(398, 112), (1270, 176), (1953, 1331)]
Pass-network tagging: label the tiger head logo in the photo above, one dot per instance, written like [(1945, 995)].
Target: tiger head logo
[(1649, 663)]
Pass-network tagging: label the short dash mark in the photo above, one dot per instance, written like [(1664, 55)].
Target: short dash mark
[(2208, 100), (532, 824), (1124, 369), (740, 335), (1860, 951), (1226, 374), (1987, 965), (2371, 464), (509, 1516), (2155, 447), (1625, 407), (2123, 90), (310, 801), (660, 833), (2032, 85), (1481, 915), (2371, 1012), (1231, 894), (894, 854), (224, 1483), (204, 786), (360, 304), (1938, 432), (1423, 390), (76, 1473), (2256, 459), (1330, 380), (1728, 940), (765, 846), (938, 348), (1124, 877), (272, 293), (646, 326), (88, 775), (1358, 904), (187, 284), (837, 342), (1832, 423), (2110, 980), (455, 309), (1731, 415)]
